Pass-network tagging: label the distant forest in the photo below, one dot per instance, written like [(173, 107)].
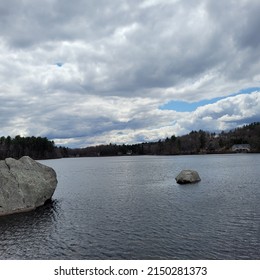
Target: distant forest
[(35, 147), (196, 142)]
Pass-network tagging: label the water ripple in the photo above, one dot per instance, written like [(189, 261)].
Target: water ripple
[(132, 208)]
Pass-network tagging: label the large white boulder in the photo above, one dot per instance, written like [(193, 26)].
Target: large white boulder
[(24, 184), (187, 177)]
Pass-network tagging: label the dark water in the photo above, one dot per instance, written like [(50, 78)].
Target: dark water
[(132, 208)]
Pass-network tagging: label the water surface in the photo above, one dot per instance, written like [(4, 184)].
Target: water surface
[(132, 208)]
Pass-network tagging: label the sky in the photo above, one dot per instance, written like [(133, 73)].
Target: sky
[(125, 71)]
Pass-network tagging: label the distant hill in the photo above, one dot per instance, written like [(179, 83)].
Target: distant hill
[(196, 142)]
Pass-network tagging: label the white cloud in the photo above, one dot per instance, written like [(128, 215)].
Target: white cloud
[(228, 112)]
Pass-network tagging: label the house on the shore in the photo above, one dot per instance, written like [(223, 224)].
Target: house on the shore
[(241, 148)]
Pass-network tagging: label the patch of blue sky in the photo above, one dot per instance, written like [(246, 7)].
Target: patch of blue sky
[(59, 64), (183, 106)]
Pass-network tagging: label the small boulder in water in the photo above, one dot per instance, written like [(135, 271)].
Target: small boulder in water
[(188, 177)]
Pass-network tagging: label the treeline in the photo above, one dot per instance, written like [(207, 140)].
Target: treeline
[(35, 147), (196, 142)]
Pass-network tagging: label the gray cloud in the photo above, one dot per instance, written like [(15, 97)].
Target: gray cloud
[(121, 60)]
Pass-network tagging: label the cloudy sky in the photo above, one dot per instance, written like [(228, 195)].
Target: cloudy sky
[(87, 72)]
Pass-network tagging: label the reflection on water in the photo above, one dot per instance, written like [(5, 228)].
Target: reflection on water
[(132, 208), (24, 233)]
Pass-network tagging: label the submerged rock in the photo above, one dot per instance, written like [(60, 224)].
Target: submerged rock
[(24, 185), (187, 177)]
